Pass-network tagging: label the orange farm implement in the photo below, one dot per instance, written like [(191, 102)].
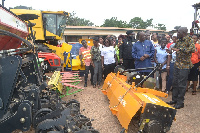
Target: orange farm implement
[(136, 105)]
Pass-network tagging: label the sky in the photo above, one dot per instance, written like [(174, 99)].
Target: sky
[(169, 12)]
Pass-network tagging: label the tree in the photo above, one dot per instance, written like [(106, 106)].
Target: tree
[(177, 27), (114, 22), (160, 26), (139, 23), (73, 20), (21, 7)]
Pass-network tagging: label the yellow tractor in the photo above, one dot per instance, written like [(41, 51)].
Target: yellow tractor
[(48, 28)]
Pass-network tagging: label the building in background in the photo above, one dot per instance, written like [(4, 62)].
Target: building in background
[(72, 34)]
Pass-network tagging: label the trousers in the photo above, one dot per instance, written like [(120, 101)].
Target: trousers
[(97, 72), (86, 72), (108, 69), (170, 78), (129, 63), (179, 85)]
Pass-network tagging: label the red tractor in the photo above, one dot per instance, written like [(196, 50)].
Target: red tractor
[(51, 61)]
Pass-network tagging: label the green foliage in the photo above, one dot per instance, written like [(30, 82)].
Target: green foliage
[(139, 23), (160, 26), (73, 20), (114, 22), (177, 27), (136, 23), (22, 7)]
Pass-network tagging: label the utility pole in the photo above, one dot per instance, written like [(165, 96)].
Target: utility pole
[(3, 3)]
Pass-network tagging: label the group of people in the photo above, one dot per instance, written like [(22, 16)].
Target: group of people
[(178, 56), (99, 59)]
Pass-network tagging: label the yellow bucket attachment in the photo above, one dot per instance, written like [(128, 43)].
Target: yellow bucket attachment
[(55, 81), (126, 100)]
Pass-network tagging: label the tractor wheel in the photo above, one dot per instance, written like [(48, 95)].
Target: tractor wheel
[(39, 114)]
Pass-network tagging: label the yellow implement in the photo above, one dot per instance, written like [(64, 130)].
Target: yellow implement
[(67, 80), (55, 81), (127, 101)]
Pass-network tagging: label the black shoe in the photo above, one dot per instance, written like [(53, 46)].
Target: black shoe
[(94, 86), (178, 106), (85, 85), (171, 102)]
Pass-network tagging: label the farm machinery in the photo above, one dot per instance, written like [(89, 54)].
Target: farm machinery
[(195, 23), (137, 107), (26, 102), (48, 30)]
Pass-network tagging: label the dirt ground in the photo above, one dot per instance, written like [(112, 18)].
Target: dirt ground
[(95, 105)]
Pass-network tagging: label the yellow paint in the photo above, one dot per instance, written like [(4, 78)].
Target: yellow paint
[(60, 50), (89, 41), (38, 28), (40, 35), (55, 81)]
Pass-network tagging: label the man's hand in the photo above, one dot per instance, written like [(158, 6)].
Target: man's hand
[(142, 58), (146, 56), (121, 60)]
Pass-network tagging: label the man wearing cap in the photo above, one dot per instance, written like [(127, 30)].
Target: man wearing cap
[(125, 50), (184, 48)]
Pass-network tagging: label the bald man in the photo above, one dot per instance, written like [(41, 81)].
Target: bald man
[(142, 52), (184, 48)]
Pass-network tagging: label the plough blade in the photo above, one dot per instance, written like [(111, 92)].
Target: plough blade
[(67, 80), (70, 85), (70, 81)]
